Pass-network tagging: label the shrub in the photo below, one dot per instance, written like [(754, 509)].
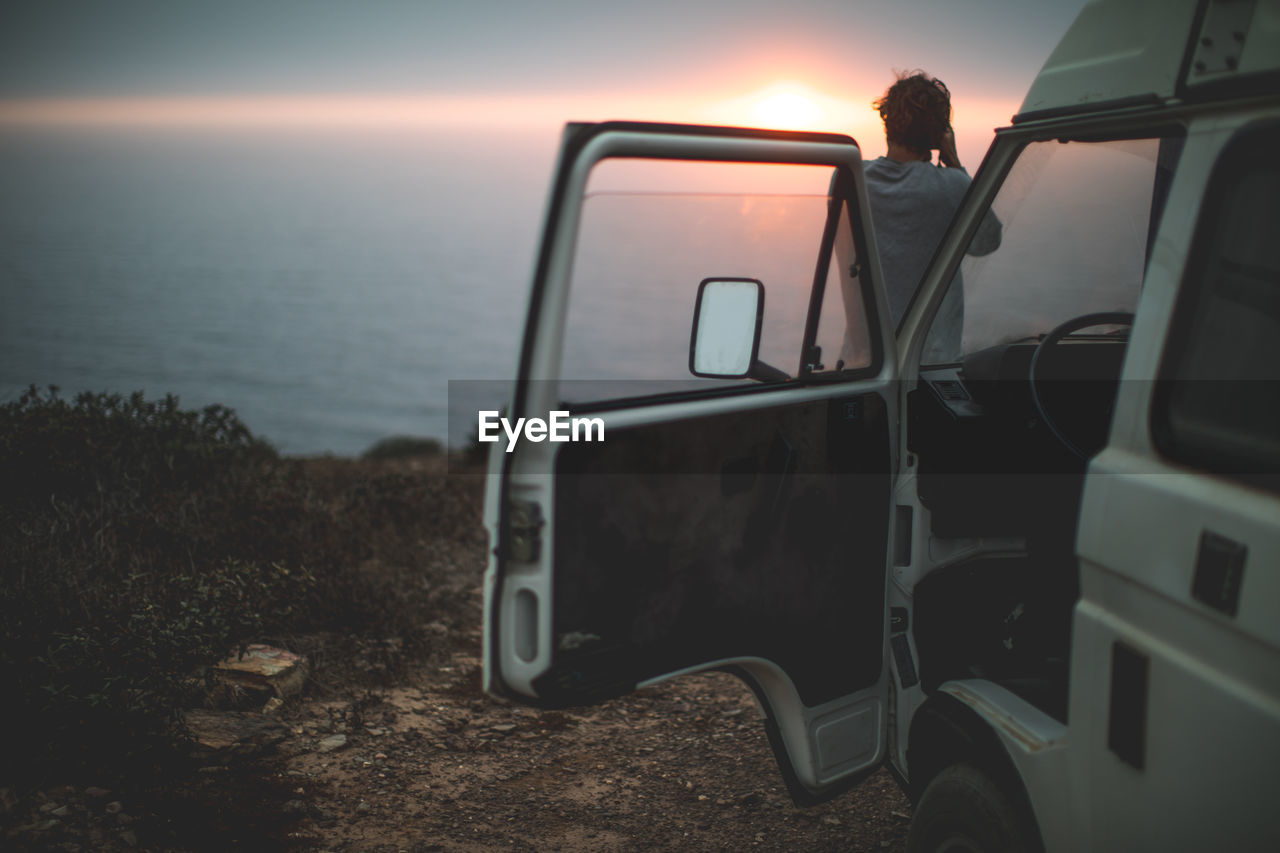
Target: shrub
[(121, 570), (401, 447), (140, 541)]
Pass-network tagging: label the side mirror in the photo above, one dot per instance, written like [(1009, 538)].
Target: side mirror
[(726, 328)]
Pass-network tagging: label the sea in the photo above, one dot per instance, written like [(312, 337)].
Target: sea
[(333, 286), (326, 284)]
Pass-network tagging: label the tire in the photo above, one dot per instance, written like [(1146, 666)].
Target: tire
[(963, 810)]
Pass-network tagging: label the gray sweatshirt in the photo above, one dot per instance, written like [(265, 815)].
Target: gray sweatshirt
[(912, 204)]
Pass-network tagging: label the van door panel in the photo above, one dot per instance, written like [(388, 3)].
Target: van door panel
[(684, 543)]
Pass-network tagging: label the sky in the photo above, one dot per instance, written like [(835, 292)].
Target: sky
[(441, 106), (815, 64)]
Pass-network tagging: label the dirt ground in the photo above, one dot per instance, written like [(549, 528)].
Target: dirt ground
[(682, 766), (426, 761)]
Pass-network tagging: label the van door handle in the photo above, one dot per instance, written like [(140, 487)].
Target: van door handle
[(1219, 572)]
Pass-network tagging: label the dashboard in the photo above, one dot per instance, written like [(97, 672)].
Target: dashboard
[(989, 463)]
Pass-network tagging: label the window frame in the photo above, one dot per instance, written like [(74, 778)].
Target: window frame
[(842, 204), (1229, 171)]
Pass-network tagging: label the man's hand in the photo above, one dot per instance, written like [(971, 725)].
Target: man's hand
[(947, 150)]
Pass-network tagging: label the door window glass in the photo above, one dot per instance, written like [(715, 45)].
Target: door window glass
[(843, 337), (1218, 404), (652, 230)]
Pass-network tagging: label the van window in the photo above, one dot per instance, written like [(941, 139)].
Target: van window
[(1217, 405), (652, 230), (1076, 219)]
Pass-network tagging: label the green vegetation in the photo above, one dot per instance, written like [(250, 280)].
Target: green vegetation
[(140, 542), (403, 446)]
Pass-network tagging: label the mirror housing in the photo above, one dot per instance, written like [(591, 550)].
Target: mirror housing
[(727, 319)]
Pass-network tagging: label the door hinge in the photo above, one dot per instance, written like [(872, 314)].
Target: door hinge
[(1222, 37), (523, 540)]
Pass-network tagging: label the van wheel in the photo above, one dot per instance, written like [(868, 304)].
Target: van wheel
[(963, 810)]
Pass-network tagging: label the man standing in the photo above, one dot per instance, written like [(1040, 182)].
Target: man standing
[(913, 201)]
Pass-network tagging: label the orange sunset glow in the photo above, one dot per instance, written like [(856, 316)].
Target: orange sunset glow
[(268, 110), (783, 105)]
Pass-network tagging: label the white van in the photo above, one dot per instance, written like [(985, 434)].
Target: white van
[(1042, 580)]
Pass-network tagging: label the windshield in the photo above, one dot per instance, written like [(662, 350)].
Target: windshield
[(1077, 219)]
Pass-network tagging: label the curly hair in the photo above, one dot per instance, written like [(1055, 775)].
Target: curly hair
[(916, 111)]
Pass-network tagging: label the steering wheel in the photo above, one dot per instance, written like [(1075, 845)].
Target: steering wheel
[(1106, 318)]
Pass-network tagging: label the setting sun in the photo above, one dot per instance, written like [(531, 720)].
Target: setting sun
[(790, 105), (787, 108)]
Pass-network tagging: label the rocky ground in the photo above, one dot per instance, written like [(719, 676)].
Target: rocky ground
[(388, 749)]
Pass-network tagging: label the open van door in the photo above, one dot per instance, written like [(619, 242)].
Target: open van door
[(697, 462)]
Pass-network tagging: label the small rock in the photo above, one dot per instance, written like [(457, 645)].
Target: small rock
[(831, 820), (510, 727), (114, 807), (364, 807), (332, 742), (61, 811), (123, 819), (96, 793), (129, 837), (232, 732), (294, 807), (379, 756), (283, 672)]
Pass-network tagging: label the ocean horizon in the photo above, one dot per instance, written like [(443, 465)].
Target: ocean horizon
[(325, 284)]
